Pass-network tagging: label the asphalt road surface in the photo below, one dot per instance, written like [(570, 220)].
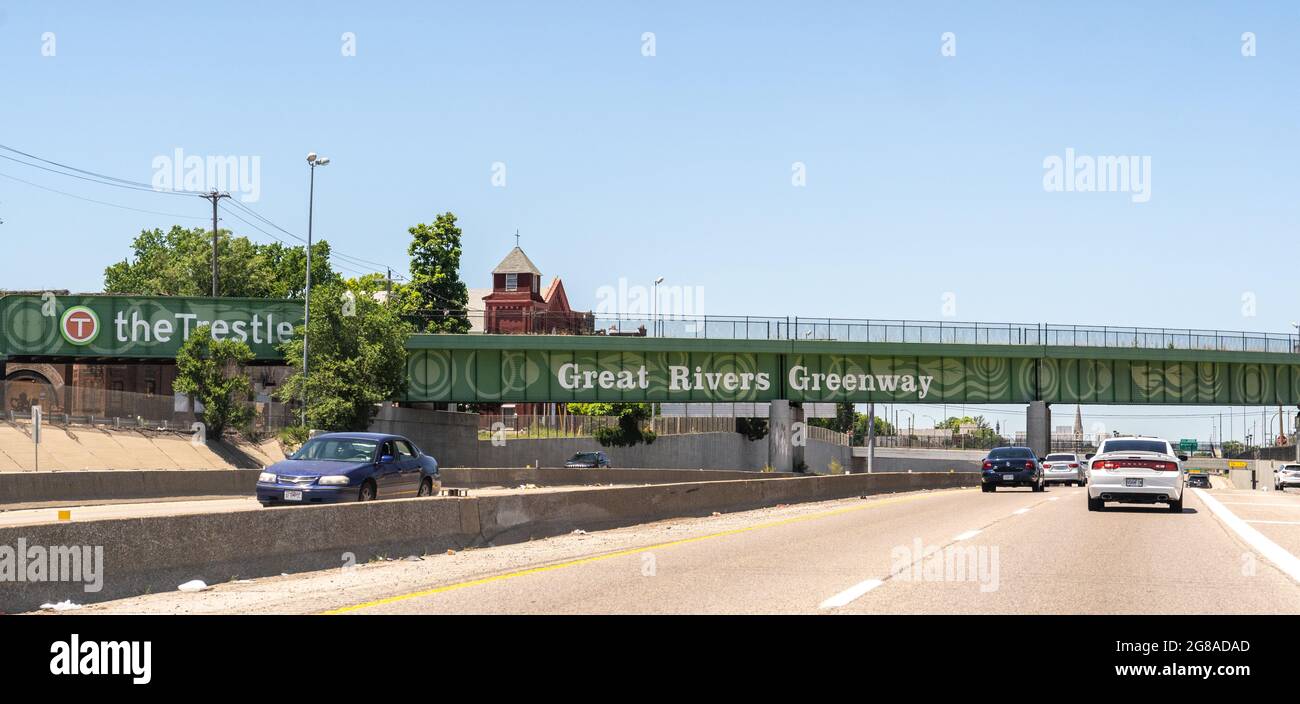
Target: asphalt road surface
[(953, 551)]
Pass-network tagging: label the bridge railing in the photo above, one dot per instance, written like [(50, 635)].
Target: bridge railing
[(942, 332)]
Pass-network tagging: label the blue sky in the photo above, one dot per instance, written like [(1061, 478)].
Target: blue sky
[(924, 172)]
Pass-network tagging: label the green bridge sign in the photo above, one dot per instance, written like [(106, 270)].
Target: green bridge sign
[(489, 368), (129, 327)]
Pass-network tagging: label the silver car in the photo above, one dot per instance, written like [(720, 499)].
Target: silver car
[(1064, 468)]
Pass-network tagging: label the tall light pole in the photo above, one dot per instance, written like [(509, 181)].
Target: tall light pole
[(312, 161), (654, 305), (911, 423)]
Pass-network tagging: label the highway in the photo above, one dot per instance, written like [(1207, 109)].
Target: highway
[(939, 552)]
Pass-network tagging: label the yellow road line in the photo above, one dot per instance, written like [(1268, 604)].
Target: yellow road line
[(622, 553)]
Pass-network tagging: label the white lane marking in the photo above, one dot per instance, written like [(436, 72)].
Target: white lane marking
[(847, 596), (967, 535), (1273, 552), (1054, 498), (1278, 523), (1255, 503), (1019, 511)]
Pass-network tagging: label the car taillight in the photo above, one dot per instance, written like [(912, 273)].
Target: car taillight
[(988, 465), (1047, 465), (1029, 464), (1074, 465), (1136, 464)]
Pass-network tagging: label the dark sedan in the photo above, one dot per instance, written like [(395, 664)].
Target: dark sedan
[(335, 467), (1011, 466), (587, 460)]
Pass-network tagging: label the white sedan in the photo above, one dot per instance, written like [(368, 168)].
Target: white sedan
[(1136, 470)]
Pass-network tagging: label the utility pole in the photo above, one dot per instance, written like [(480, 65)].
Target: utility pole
[(214, 197), (388, 297)]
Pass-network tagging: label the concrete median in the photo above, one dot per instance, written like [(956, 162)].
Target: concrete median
[(30, 489), (158, 553)]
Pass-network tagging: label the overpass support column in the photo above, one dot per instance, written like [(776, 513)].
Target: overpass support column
[(1038, 428), (797, 451), (780, 455)]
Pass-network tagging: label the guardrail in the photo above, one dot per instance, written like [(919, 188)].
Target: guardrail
[(745, 327)]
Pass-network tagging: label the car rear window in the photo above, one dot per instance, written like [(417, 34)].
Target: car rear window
[(1061, 458), (1135, 446), (585, 456), (1002, 453)]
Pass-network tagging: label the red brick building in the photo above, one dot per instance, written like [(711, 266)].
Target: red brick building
[(517, 304)]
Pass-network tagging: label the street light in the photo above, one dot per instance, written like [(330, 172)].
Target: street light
[(654, 306), (313, 161)]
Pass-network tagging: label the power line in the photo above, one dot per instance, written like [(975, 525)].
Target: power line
[(103, 180), (107, 180), (100, 202)]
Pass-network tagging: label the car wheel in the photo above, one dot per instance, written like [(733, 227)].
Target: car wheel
[(1176, 506), (426, 488), (367, 492), (1095, 504), (992, 488), (1040, 486)]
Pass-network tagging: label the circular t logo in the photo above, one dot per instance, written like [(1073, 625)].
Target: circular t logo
[(79, 325)]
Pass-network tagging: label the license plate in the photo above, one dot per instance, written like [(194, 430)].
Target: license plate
[(1008, 477), (1133, 482), (293, 496)]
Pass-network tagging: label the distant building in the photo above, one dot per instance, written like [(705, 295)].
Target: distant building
[(517, 305)]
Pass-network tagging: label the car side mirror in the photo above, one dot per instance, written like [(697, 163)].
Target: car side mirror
[(385, 459), (1089, 456), (1182, 458)]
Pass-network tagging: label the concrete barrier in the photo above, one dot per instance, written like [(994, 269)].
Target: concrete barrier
[(92, 486), (473, 478), (158, 553), (19, 489)]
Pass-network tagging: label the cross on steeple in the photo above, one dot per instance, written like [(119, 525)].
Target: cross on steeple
[(516, 238)]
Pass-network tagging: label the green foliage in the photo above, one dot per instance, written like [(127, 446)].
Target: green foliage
[(629, 431), (355, 361), (179, 263), (883, 427), (752, 428), (436, 294), (602, 409), (955, 423), (292, 437), (212, 371)]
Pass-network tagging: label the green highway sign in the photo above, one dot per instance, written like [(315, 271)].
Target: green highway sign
[(139, 326), (1188, 445)]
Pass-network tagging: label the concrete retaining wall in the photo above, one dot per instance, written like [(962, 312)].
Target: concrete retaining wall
[(122, 484), (158, 553), (453, 439)]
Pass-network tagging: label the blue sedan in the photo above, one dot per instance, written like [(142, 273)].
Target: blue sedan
[(335, 467)]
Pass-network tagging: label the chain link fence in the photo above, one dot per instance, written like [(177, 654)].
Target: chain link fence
[(96, 406)]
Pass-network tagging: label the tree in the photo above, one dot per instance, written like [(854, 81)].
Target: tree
[(752, 428), (179, 263), (356, 357), (883, 427), (845, 417), (212, 372), (629, 431), (436, 294)]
